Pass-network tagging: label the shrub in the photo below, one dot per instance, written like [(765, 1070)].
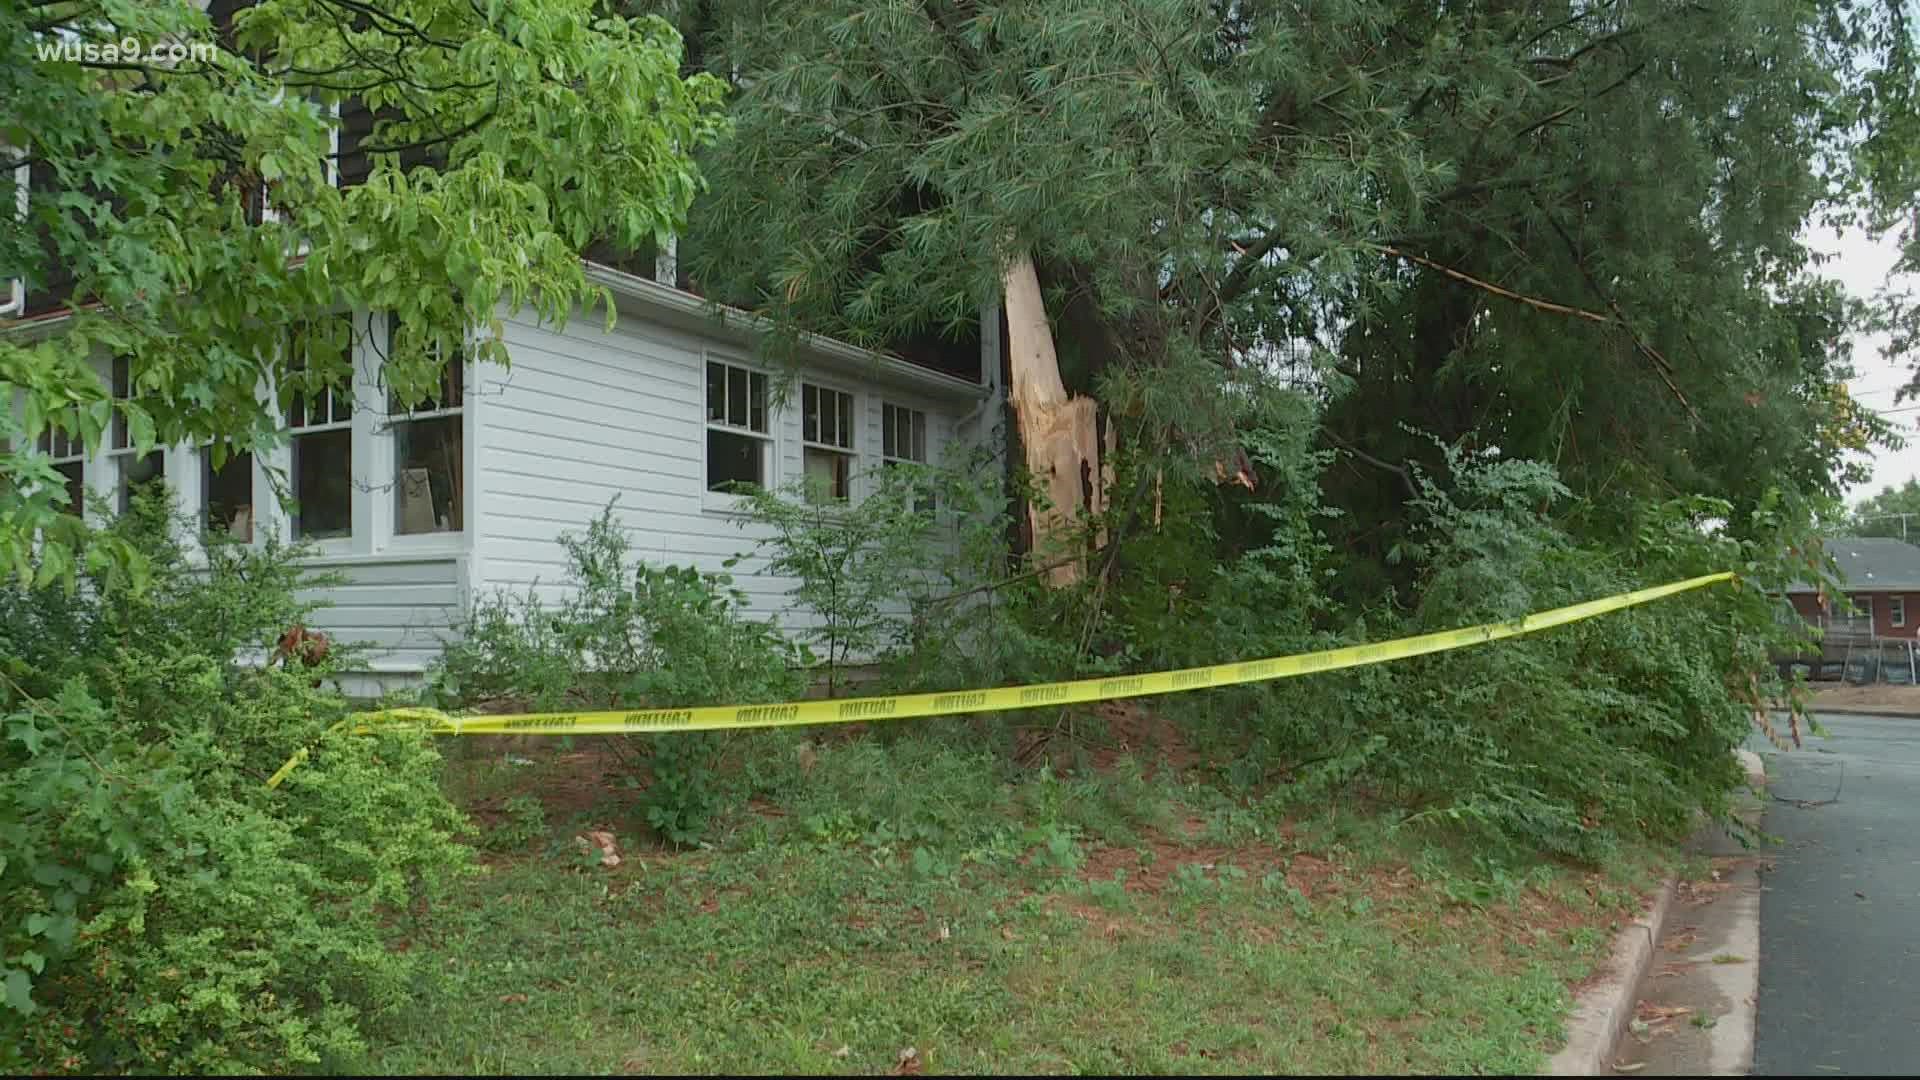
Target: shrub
[(622, 636), (165, 911), (856, 567), (1573, 738), (627, 636)]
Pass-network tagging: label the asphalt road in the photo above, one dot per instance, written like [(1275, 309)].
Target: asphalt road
[(1840, 911)]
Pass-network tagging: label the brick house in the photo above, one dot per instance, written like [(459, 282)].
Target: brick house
[(1882, 577), (1874, 638)]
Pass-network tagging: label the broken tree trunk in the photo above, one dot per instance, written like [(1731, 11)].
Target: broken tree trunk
[(1059, 432)]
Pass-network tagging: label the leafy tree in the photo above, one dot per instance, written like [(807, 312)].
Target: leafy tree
[(1562, 231), (506, 137), (1895, 511)]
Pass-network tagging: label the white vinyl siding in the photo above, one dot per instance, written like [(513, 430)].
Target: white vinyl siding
[(400, 609), (587, 414)]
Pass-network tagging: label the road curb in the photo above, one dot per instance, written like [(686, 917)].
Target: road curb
[(1602, 1012), (1865, 710)]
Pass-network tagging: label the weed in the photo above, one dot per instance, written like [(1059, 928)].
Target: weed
[(1111, 894), (526, 821)]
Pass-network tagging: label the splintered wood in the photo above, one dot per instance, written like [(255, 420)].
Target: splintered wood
[(1060, 433)]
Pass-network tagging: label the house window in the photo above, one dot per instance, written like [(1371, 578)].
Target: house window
[(132, 471), (69, 456), (1897, 610), (429, 456), (826, 436), (226, 494), (322, 427), (903, 441), (260, 207), (1861, 617), (739, 446)]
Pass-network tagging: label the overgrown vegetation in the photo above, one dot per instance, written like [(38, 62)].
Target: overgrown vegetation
[(931, 894), (626, 635), (165, 911), (1398, 317)]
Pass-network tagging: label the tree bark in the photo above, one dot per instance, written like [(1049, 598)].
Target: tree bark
[(1059, 433)]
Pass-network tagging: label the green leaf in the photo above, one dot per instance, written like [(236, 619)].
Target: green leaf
[(20, 992)]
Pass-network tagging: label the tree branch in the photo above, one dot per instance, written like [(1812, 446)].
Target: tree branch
[(1398, 470), (1660, 363), (1530, 301), (401, 28)]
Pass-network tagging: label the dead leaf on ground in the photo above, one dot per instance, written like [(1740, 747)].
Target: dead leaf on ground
[(1629, 1066), (1651, 1011), (609, 856), (1678, 942), (513, 999), (907, 1063), (843, 1052)]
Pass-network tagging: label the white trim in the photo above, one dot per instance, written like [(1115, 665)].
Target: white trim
[(383, 558), (863, 364), (854, 451), (926, 432), (1896, 609), (270, 213), (17, 286), (387, 429), (722, 502)]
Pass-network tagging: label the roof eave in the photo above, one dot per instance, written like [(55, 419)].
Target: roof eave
[(687, 306)]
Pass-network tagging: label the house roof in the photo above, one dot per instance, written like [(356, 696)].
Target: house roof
[(697, 313), (1872, 563)]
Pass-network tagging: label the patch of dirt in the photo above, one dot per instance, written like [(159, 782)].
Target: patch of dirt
[(1107, 731), (1875, 696), (586, 783), (1308, 873)]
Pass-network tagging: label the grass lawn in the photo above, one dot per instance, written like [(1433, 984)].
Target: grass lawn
[(872, 895)]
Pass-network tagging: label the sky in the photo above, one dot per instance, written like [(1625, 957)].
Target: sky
[(1862, 263)]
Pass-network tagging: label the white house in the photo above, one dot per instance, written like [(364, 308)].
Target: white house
[(421, 511)]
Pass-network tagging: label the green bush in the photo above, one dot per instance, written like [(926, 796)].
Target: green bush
[(164, 910), (1570, 739), (627, 636)]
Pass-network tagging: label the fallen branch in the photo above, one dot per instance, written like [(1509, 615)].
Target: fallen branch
[(1662, 366), (1509, 294)]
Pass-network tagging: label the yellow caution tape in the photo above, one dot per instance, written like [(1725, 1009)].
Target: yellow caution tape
[(961, 702)]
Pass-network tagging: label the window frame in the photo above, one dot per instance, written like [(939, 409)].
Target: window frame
[(1897, 609), (851, 451), (15, 304), (727, 502), (76, 454), (387, 425), (1862, 605), (931, 502), (202, 457), (270, 213), (328, 545), (120, 448)]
